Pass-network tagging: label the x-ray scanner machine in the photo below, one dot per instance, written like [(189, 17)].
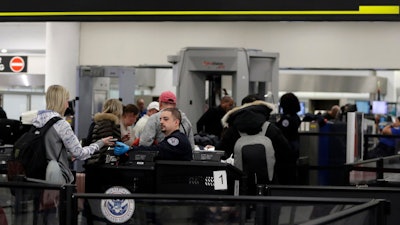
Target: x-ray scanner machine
[(96, 84), (253, 72)]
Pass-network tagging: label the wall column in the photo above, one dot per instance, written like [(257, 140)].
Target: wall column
[(62, 55)]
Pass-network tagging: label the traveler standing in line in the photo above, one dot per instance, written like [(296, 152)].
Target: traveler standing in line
[(152, 108), (250, 118), (105, 124), (210, 121), (129, 116), (152, 130), (60, 138)]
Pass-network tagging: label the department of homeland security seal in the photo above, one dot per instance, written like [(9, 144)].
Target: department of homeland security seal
[(117, 210)]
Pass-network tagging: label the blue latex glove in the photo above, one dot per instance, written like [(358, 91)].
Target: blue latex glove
[(120, 148)]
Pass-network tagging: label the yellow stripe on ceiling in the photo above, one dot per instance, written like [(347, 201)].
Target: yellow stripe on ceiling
[(363, 10)]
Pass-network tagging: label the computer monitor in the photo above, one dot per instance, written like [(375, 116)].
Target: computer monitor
[(392, 108), (379, 107), (363, 106), (302, 111)]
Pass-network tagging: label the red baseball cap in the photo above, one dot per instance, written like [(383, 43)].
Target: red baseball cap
[(168, 97)]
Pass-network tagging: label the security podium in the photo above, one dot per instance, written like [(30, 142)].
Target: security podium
[(197, 177), (162, 176), (136, 178)]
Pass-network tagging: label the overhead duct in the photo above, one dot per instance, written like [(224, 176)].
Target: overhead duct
[(18, 82), (331, 83)]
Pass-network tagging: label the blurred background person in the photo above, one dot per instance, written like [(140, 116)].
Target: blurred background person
[(140, 103), (3, 113), (152, 108), (333, 113), (210, 121), (386, 146)]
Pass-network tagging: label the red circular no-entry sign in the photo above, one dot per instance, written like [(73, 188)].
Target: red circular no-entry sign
[(17, 64)]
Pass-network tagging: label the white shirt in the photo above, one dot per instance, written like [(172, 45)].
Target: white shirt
[(127, 130), (139, 126)]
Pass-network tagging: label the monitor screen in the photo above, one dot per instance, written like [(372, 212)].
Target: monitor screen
[(379, 107), (302, 111), (392, 108), (363, 106)]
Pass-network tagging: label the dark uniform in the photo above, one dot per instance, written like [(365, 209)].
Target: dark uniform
[(175, 146), (289, 125)]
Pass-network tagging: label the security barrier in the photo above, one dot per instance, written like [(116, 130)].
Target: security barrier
[(23, 203)]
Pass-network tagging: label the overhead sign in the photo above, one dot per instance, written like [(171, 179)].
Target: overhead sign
[(13, 64), (204, 10), (17, 64)]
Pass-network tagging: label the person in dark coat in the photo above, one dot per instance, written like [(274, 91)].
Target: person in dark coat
[(289, 123), (3, 114), (210, 121), (105, 124), (249, 118)]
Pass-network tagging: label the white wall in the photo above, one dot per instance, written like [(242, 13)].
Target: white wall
[(62, 55), (360, 45), (23, 36), (300, 44)]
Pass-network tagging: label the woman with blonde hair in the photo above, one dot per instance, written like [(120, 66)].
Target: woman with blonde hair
[(105, 123), (60, 139)]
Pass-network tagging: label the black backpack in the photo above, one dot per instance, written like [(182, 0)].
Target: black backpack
[(28, 158)]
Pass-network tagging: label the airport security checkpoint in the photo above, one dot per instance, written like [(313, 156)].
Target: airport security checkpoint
[(332, 153)]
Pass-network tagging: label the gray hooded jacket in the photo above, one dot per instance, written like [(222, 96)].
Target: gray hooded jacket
[(61, 138)]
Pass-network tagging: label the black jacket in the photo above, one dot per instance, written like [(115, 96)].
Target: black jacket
[(249, 119), (104, 125), (210, 121), (289, 125)]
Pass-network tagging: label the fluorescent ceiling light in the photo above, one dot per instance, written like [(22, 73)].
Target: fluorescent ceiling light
[(25, 81)]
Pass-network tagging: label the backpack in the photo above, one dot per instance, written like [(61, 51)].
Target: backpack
[(29, 153), (255, 156)]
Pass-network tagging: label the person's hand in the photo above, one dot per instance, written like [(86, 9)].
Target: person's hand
[(109, 141), (126, 137), (120, 148), (209, 147)]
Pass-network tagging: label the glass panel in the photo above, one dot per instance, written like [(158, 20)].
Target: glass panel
[(25, 206), (29, 203), (38, 102), (201, 212), (15, 105)]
